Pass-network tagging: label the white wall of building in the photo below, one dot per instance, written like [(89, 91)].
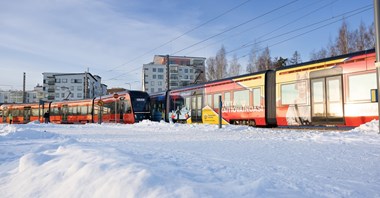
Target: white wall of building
[(72, 86)]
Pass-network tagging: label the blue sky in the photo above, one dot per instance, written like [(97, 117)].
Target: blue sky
[(113, 39)]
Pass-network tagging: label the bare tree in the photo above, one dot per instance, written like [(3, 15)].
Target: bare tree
[(264, 60), (296, 58), (342, 41), (345, 42), (221, 63), (235, 66), (360, 38), (252, 60), (322, 53), (211, 69), (372, 36), (330, 51)]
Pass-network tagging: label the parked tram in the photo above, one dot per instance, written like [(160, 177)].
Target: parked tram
[(337, 91), (124, 107)]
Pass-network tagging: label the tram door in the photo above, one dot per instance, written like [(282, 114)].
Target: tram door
[(327, 100), (65, 112), (196, 108), (27, 113)]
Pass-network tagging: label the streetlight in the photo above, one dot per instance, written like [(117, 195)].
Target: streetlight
[(129, 83)]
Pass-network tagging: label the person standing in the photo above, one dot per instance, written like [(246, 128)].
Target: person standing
[(46, 117), (10, 118)]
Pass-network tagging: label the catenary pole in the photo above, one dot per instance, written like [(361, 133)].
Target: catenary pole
[(167, 73), (376, 6)]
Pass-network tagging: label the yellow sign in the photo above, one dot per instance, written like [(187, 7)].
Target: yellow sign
[(100, 102), (209, 116)]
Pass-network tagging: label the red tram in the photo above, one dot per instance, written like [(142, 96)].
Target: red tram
[(329, 92), (125, 107)]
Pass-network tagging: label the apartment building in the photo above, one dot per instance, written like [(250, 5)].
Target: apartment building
[(15, 96), (72, 86), (183, 71)]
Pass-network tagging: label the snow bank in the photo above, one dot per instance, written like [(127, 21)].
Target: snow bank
[(157, 159)]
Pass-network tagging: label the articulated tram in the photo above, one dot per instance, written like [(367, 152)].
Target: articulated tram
[(124, 107), (336, 91)]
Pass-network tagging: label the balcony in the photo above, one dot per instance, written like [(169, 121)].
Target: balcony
[(50, 90), (51, 82)]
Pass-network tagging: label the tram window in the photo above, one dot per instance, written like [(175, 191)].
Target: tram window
[(83, 110), (73, 110), (227, 99), (127, 106), (216, 101), (241, 98), (34, 112), (256, 97), (96, 109), (54, 111), (359, 86), (293, 93), (187, 103), (209, 100), (109, 107), (15, 112)]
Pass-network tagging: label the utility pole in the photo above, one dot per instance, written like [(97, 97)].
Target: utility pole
[(376, 5), (23, 89), (167, 73)]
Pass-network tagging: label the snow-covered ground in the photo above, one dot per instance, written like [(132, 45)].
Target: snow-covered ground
[(151, 159)]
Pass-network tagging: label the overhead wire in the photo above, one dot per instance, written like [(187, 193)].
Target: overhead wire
[(265, 23), (185, 33), (227, 30), (319, 27), (234, 27)]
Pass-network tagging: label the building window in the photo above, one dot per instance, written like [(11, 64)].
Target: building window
[(76, 81), (146, 69), (186, 70), (79, 95), (58, 80), (62, 95), (159, 89), (154, 76), (79, 88), (159, 83), (57, 95), (151, 90), (160, 76), (64, 80), (152, 83), (71, 88), (191, 71), (161, 70), (191, 77), (154, 69)]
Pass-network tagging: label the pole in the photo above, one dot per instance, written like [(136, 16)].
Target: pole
[(377, 49), (23, 89), (220, 111), (167, 73)]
